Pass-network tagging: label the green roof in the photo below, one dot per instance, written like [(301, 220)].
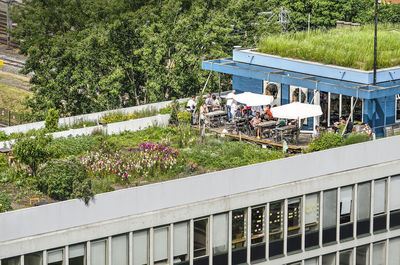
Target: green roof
[(348, 47)]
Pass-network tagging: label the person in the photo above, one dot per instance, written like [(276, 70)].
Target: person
[(203, 111), (191, 105), (268, 113), (230, 102), (254, 122), (366, 129), (209, 99), (315, 134), (280, 123), (350, 125), (255, 109), (215, 103)]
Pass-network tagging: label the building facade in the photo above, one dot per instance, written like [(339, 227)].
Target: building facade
[(344, 209), (340, 91)]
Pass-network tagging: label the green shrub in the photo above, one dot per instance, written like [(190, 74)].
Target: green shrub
[(3, 162), (325, 141), (184, 117), (52, 120), (33, 151), (65, 179), (174, 112), (5, 201), (356, 138), (4, 136), (68, 146)]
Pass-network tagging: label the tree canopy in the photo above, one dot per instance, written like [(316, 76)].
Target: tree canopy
[(94, 55)]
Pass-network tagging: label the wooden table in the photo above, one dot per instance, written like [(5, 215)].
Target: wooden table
[(266, 124), (215, 116), (286, 129)]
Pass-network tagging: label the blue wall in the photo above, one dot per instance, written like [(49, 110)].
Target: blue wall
[(245, 84), (374, 113)]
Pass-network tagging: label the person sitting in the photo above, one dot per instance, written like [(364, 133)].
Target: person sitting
[(215, 105), (349, 127), (315, 134), (238, 112), (191, 105), (209, 99), (280, 123), (293, 122), (268, 113), (254, 122)]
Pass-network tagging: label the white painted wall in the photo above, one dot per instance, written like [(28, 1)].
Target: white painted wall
[(112, 128)]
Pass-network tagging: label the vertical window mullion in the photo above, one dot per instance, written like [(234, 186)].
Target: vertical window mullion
[(171, 244), (321, 215), (329, 108), (151, 246), (371, 229), (340, 105), (229, 238), (130, 248), (338, 214), (285, 221), (303, 223), (387, 204), (266, 231), (355, 210), (249, 213), (210, 239), (66, 256), (88, 254)]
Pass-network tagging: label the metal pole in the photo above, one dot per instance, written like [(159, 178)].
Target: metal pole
[(375, 40)]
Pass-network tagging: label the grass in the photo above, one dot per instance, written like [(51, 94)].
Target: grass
[(11, 97), (348, 47)]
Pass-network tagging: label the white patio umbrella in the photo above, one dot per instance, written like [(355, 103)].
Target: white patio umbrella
[(296, 110), (253, 99)]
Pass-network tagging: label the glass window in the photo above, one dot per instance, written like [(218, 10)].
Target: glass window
[(362, 257), (181, 242), (119, 250), (276, 221), (239, 231), (77, 254), (397, 112), (220, 233), (98, 252), (346, 257), (313, 261), (346, 202), (140, 247), (364, 201), (329, 218), (55, 257), (34, 258), (378, 254), (312, 212), (294, 211), (334, 110), (394, 193), (380, 197), (273, 89), (160, 246), (201, 237), (298, 94), (11, 261), (358, 111), (257, 225), (394, 248), (329, 259), (346, 106)]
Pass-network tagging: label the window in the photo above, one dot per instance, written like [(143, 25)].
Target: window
[(276, 228), (98, 252), (329, 259), (76, 255), (346, 257), (363, 208), (397, 109), (362, 257), (298, 94), (257, 234), (273, 89), (329, 217), (334, 108), (311, 220), (239, 231), (313, 261), (395, 202), (380, 205), (119, 250), (160, 245), (394, 247), (34, 259), (181, 242), (55, 257), (293, 225), (346, 106), (358, 109), (346, 212), (378, 254), (201, 237), (220, 233), (11, 261), (140, 247)]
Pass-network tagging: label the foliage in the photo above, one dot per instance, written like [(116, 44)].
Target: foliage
[(4, 136), (72, 146), (5, 201), (52, 120), (166, 110), (64, 179), (184, 117), (33, 151), (3, 162), (349, 47), (325, 141), (355, 138), (222, 154), (119, 116), (175, 107)]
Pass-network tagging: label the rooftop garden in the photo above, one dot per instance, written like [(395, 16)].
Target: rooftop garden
[(348, 47)]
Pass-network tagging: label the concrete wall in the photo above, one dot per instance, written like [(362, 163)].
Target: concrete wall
[(94, 117), (149, 199), (112, 128)]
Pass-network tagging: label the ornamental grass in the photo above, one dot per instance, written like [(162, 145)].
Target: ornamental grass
[(349, 47)]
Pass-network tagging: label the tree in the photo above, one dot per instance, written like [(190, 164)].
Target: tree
[(33, 151)]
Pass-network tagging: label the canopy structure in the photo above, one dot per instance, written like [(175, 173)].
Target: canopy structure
[(252, 99), (296, 110)]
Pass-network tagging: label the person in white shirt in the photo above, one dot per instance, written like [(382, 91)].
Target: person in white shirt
[(191, 105), (229, 102), (209, 99)]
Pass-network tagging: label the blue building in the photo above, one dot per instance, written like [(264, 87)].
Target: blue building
[(339, 90)]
